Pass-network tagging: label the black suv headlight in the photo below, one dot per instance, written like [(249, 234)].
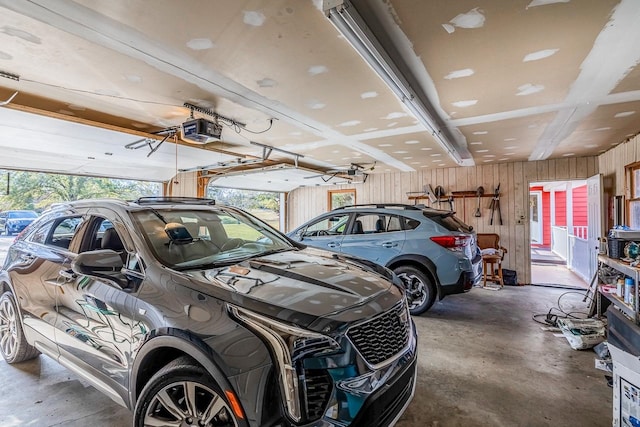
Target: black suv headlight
[(288, 345)]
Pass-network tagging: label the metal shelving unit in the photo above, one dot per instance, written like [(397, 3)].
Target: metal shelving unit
[(630, 310)]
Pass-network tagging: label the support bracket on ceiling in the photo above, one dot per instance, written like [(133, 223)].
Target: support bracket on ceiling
[(9, 100), (147, 142), (10, 76), (229, 164), (268, 149)]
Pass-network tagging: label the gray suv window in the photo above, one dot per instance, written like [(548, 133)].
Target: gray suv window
[(450, 222), (327, 226), (369, 223)]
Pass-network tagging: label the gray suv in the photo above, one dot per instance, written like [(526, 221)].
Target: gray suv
[(195, 314), (431, 250)]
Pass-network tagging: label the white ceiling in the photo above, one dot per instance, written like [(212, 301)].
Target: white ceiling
[(507, 81)]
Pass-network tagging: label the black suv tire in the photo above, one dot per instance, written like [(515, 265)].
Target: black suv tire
[(13, 345), (166, 397)]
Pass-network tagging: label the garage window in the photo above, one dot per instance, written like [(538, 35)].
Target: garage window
[(340, 198), (633, 204)]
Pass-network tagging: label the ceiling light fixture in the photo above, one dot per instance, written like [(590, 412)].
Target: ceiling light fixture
[(348, 21)]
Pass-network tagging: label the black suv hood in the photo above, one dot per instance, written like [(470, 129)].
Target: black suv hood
[(300, 286)]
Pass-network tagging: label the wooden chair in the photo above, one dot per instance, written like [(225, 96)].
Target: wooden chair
[(492, 257)]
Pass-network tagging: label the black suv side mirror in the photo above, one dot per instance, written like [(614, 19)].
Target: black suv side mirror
[(102, 263)]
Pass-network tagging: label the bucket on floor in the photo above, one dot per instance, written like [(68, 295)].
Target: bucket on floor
[(509, 277)]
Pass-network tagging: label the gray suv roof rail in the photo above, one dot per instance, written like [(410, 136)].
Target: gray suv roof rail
[(174, 200), (383, 206)]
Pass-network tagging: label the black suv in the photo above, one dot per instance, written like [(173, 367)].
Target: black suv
[(190, 313)]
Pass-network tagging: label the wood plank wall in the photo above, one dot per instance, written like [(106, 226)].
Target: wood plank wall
[(611, 165), (514, 178)]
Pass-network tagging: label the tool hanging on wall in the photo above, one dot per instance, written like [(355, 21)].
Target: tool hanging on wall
[(479, 193), (441, 194), (428, 190), (495, 205)]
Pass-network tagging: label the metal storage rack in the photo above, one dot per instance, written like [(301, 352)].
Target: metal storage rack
[(627, 270)]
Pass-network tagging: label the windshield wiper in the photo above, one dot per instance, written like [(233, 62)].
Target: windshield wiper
[(205, 266), (275, 251), (156, 213)]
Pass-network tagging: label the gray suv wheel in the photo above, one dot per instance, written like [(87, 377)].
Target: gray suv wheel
[(421, 291)]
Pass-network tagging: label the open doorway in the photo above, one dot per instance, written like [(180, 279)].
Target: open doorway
[(558, 214)]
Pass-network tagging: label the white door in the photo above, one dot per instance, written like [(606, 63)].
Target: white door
[(535, 215), (595, 226)]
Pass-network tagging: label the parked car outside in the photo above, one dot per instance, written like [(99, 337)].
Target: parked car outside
[(13, 222), (431, 250), (191, 313)]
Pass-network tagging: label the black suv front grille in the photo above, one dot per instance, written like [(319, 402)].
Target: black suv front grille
[(318, 387), (382, 337)]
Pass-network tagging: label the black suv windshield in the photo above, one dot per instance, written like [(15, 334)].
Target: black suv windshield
[(189, 239)]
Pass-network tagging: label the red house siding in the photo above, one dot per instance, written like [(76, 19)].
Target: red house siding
[(580, 205), (579, 213), (546, 219), (561, 208)]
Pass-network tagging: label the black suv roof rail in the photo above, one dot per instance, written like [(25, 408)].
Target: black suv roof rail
[(174, 200), (383, 206)]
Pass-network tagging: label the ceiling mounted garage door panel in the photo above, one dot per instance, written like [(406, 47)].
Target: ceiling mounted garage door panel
[(278, 178), (44, 143)]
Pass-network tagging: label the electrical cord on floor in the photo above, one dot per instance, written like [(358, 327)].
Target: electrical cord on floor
[(551, 317)]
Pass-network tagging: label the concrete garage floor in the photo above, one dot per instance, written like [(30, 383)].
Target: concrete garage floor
[(483, 362)]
